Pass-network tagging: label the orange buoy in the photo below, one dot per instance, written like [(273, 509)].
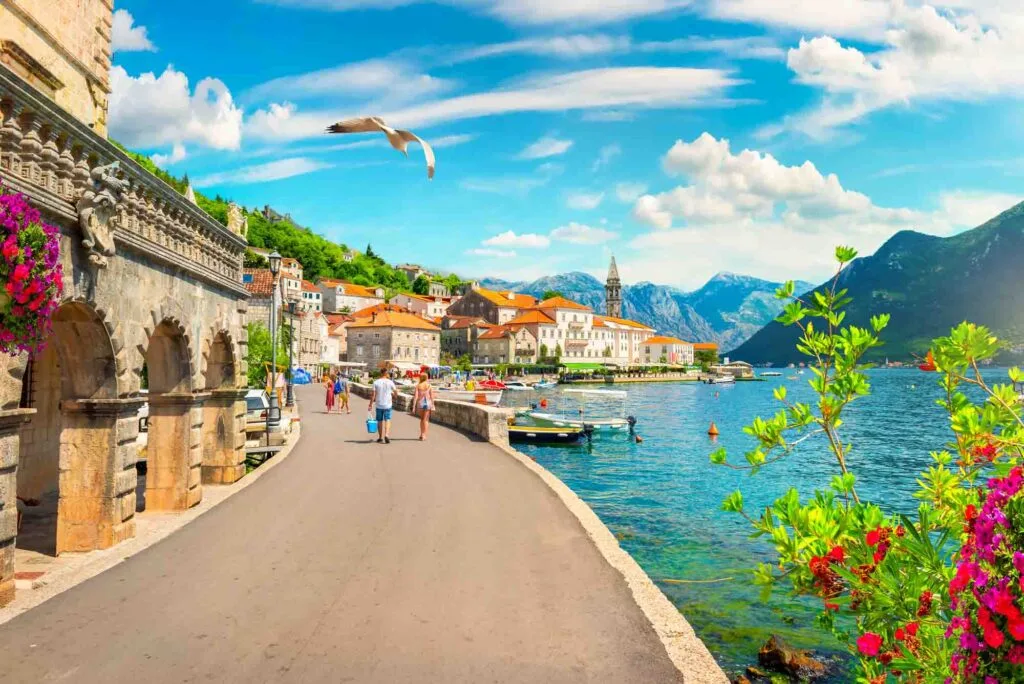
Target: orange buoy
[(543, 403), (713, 430), (639, 439)]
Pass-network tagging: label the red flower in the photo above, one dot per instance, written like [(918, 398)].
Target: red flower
[(832, 606), (900, 635), (869, 644), (900, 531), (20, 272), (912, 628), (970, 513), (10, 249), (986, 451), (1016, 629), (873, 536), (837, 554)]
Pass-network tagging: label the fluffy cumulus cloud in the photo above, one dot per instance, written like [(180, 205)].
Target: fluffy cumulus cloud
[(177, 154), (263, 173), (580, 234), (750, 210), (927, 55), (125, 36), (545, 147), (151, 111), (491, 253), (521, 240), (584, 201)]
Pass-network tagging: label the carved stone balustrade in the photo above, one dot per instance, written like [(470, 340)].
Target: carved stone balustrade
[(69, 172)]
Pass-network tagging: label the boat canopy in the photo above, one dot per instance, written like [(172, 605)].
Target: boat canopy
[(404, 365)]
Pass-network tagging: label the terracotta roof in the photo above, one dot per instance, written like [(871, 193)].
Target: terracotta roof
[(309, 287), (377, 308), (337, 330), (350, 289), (261, 284), (626, 322), (562, 303), (395, 319), (288, 261), (339, 318), (508, 299), (470, 323), (496, 333), (599, 322), (531, 317), (664, 340), (705, 346)]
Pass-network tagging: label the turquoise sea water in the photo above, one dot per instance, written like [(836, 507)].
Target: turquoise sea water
[(662, 497)]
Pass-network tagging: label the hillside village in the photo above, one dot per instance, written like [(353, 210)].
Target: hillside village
[(338, 321)]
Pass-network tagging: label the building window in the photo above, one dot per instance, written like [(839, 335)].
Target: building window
[(359, 350), (376, 350)]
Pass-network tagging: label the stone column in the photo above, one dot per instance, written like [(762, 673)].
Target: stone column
[(10, 425), (224, 436), (175, 451), (96, 508)]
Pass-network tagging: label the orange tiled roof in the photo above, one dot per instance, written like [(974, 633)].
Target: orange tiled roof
[(508, 299), (395, 319), (262, 283), (309, 287), (377, 308), (350, 289), (469, 323), (496, 333), (532, 316), (339, 318), (562, 303), (705, 346), (626, 322), (660, 339)]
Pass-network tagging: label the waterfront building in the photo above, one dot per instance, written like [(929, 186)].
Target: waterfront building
[(620, 340), (505, 344), (427, 306), (391, 335), (460, 333), (613, 291), (738, 369), (343, 297), (661, 349), (311, 331), (492, 306)]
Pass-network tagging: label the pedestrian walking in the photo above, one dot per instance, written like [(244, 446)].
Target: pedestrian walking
[(423, 403), (341, 393), (382, 399), (328, 384)]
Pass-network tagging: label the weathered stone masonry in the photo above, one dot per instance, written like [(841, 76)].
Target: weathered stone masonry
[(150, 282)]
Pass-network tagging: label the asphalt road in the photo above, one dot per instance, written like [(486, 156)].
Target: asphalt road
[(443, 561)]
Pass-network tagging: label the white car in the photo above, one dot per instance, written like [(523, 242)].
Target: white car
[(257, 403), (144, 412)]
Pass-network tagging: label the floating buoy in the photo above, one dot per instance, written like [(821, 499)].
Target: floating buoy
[(639, 439), (713, 430), (543, 403)]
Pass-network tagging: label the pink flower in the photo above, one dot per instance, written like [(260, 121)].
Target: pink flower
[(20, 272), (869, 644)]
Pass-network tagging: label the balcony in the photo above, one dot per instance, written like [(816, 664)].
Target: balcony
[(525, 351), (576, 325), (576, 342)]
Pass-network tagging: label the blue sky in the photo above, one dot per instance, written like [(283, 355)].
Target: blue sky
[(684, 136)]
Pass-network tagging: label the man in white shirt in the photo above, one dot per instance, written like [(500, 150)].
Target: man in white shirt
[(382, 399)]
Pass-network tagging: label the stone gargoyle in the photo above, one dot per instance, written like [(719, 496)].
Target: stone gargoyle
[(96, 208)]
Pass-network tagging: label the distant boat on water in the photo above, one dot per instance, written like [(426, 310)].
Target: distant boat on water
[(771, 374)]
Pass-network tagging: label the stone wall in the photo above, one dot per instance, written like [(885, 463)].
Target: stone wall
[(62, 47), (487, 422)]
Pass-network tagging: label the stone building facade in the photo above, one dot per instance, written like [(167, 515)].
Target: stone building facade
[(505, 344), (152, 294), (62, 49), (459, 334), (394, 336), (492, 306)]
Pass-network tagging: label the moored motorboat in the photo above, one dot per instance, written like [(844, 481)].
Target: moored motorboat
[(490, 397), (544, 384), (555, 420), (537, 434), (721, 380), (771, 374), (517, 386)]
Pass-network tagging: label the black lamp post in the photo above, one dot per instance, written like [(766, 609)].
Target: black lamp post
[(274, 414), (290, 401)]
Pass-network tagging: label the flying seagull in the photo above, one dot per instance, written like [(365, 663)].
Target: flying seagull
[(399, 139)]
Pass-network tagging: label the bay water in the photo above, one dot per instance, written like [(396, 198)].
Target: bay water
[(662, 497)]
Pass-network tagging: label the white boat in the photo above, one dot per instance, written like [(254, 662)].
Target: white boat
[(544, 384), (721, 380), (600, 424), (517, 386), (771, 374), (491, 397)]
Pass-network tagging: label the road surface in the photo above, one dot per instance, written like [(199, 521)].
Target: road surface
[(444, 561)]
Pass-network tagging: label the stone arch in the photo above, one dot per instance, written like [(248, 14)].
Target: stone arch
[(173, 450), (220, 361), (223, 431), (69, 460), (167, 320)]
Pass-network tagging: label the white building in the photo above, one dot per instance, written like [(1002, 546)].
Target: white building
[(311, 297), (672, 350), (340, 296), (423, 305)]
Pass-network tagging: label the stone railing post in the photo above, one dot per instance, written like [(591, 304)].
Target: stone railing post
[(10, 445), (224, 436)]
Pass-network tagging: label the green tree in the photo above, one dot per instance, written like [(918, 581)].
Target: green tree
[(254, 260), (607, 353), (550, 294), (259, 349), (452, 282), (558, 353), (705, 358), (464, 363), (663, 359), (543, 351), (421, 285)]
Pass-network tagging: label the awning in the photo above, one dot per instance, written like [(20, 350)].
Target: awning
[(583, 366), (404, 365)]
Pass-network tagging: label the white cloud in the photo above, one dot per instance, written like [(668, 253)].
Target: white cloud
[(544, 148), (150, 111), (126, 37), (564, 47), (263, 173), (929, 56), (452, 140), (394, 81), (520, 12), (491, 253), (584, 201), (177, 154), (605, 156), (974, 207), (744, 47), (630, 192), (523, 240), (853, 18), (580, 234)]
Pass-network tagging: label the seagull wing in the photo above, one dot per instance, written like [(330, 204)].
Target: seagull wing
[(362, 124), (428, 151)]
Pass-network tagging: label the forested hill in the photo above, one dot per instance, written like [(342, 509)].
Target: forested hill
[(320, 257)]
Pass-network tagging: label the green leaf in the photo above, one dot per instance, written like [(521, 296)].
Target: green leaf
[(733, 503), (718, 456), (845, 255)]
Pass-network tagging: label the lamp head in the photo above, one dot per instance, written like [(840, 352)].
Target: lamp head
[(275, 263)]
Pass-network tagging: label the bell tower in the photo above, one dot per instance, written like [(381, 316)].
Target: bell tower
[(613, 291)]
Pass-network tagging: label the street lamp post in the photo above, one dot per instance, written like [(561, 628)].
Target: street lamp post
[(291, 345), (274, 414)]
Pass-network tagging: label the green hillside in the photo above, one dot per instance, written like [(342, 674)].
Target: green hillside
[(928, 284), (320, 258)]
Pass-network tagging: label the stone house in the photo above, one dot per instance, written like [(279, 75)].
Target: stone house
[(312, 334), (505, 344), (494, 307), (411, 271), (460, 333), (438, 289), (393, 336), (343, 297), (423, 305), (662, 349), (260, 286)]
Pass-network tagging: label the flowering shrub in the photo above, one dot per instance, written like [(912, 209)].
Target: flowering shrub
[(937, 596), (32, 279)]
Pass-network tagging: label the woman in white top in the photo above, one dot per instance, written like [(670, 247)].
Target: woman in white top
[(423, 402)]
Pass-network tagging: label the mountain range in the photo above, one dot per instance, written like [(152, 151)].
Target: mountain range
[(728, 309), (928, 284)]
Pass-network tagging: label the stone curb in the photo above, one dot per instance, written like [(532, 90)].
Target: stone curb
[(685, 649), (164, 525)]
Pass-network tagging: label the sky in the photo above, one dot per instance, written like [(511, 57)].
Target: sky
[(686, 137)]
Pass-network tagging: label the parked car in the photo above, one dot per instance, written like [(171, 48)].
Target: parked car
[(144, 412), (257, 403)]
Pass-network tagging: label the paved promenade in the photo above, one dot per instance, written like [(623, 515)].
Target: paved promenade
[(444, 561)]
